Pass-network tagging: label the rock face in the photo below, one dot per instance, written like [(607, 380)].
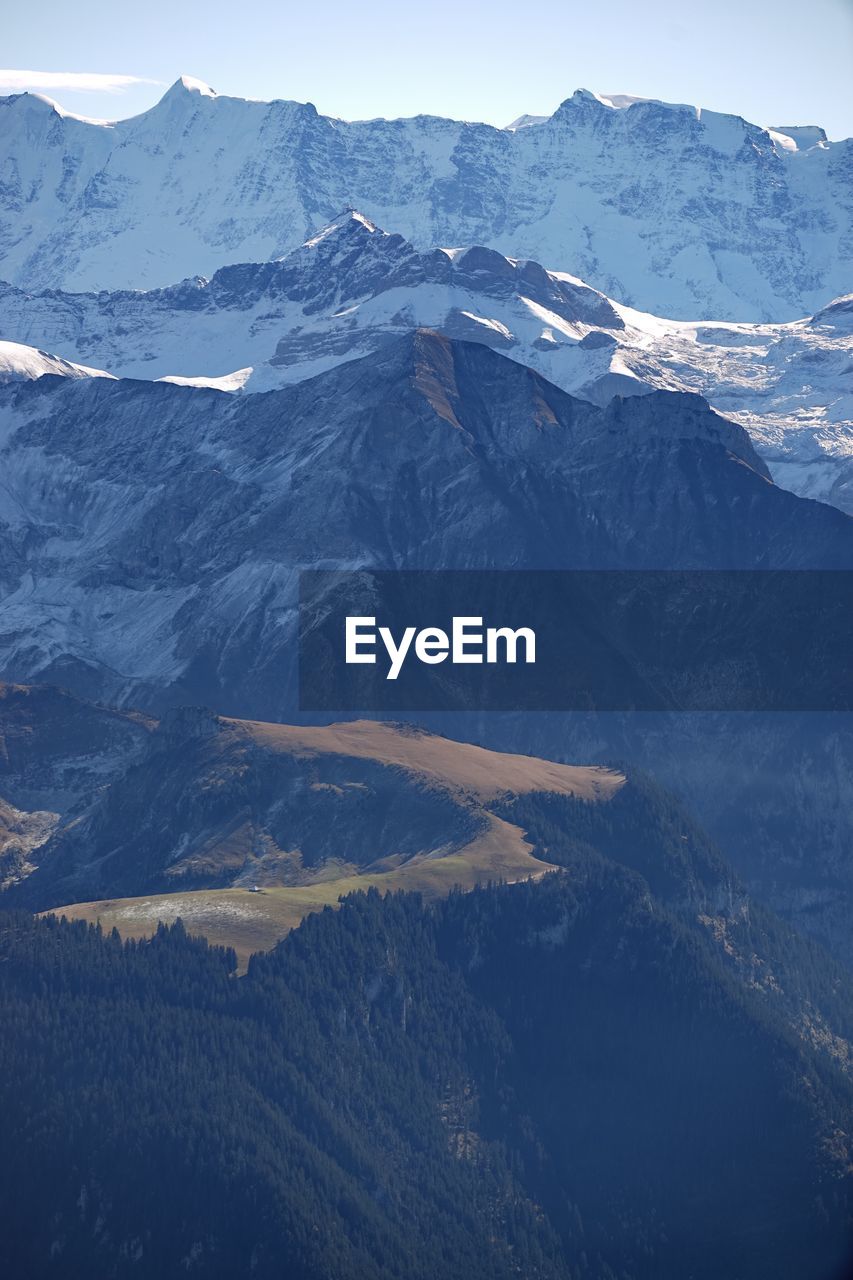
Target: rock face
[(57, 752), (668, 208), (342, 294), (353, 288), (153, 534)]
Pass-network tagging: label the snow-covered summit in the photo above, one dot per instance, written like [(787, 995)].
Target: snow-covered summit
[(789, 137), (185, 92), (671, 209), (524, 122), (839, 316), (192, 85), (349, 220), (803, 136)]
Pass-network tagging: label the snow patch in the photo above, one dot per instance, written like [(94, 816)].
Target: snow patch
[(22, 363), (230, 382)]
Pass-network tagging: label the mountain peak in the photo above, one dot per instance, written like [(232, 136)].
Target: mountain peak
[(346, 223), (525, 121), (617, 102), (185, 88), (20, 363), (431, 346), (579, 97), (30, 101), (189, 84), (286, 170)]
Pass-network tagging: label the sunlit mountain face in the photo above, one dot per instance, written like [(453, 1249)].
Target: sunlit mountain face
[(672, 209)]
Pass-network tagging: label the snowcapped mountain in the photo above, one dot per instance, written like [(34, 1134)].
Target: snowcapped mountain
[(668, 208), (343, 293), (353, 287)]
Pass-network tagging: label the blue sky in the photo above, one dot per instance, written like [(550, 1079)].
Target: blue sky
[(777, 62)]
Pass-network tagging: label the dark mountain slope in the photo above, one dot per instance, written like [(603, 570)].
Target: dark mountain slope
[(550, 1080), (56, 752), (59, 748), (216, 809), (154, 533)]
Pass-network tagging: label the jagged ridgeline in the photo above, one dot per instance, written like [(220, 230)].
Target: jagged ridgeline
[(670, 208), (155, 557), (153, 536), (353, 286)]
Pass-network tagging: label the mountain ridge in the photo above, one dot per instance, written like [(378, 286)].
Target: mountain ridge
[(204, 509), (353, 287), (152, 537), (609, 194), (243, 828)]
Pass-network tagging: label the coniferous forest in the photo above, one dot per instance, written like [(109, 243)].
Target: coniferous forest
[(563, 1078)]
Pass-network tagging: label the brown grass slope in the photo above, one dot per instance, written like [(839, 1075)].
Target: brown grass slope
[(281, 820)]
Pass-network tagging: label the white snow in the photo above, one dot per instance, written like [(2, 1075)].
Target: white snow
[(19, 362), (198, 86), (494, 325), (351, 215), (625, 193), (783, 140), (525, 121), (72, 115), (230, 382)]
